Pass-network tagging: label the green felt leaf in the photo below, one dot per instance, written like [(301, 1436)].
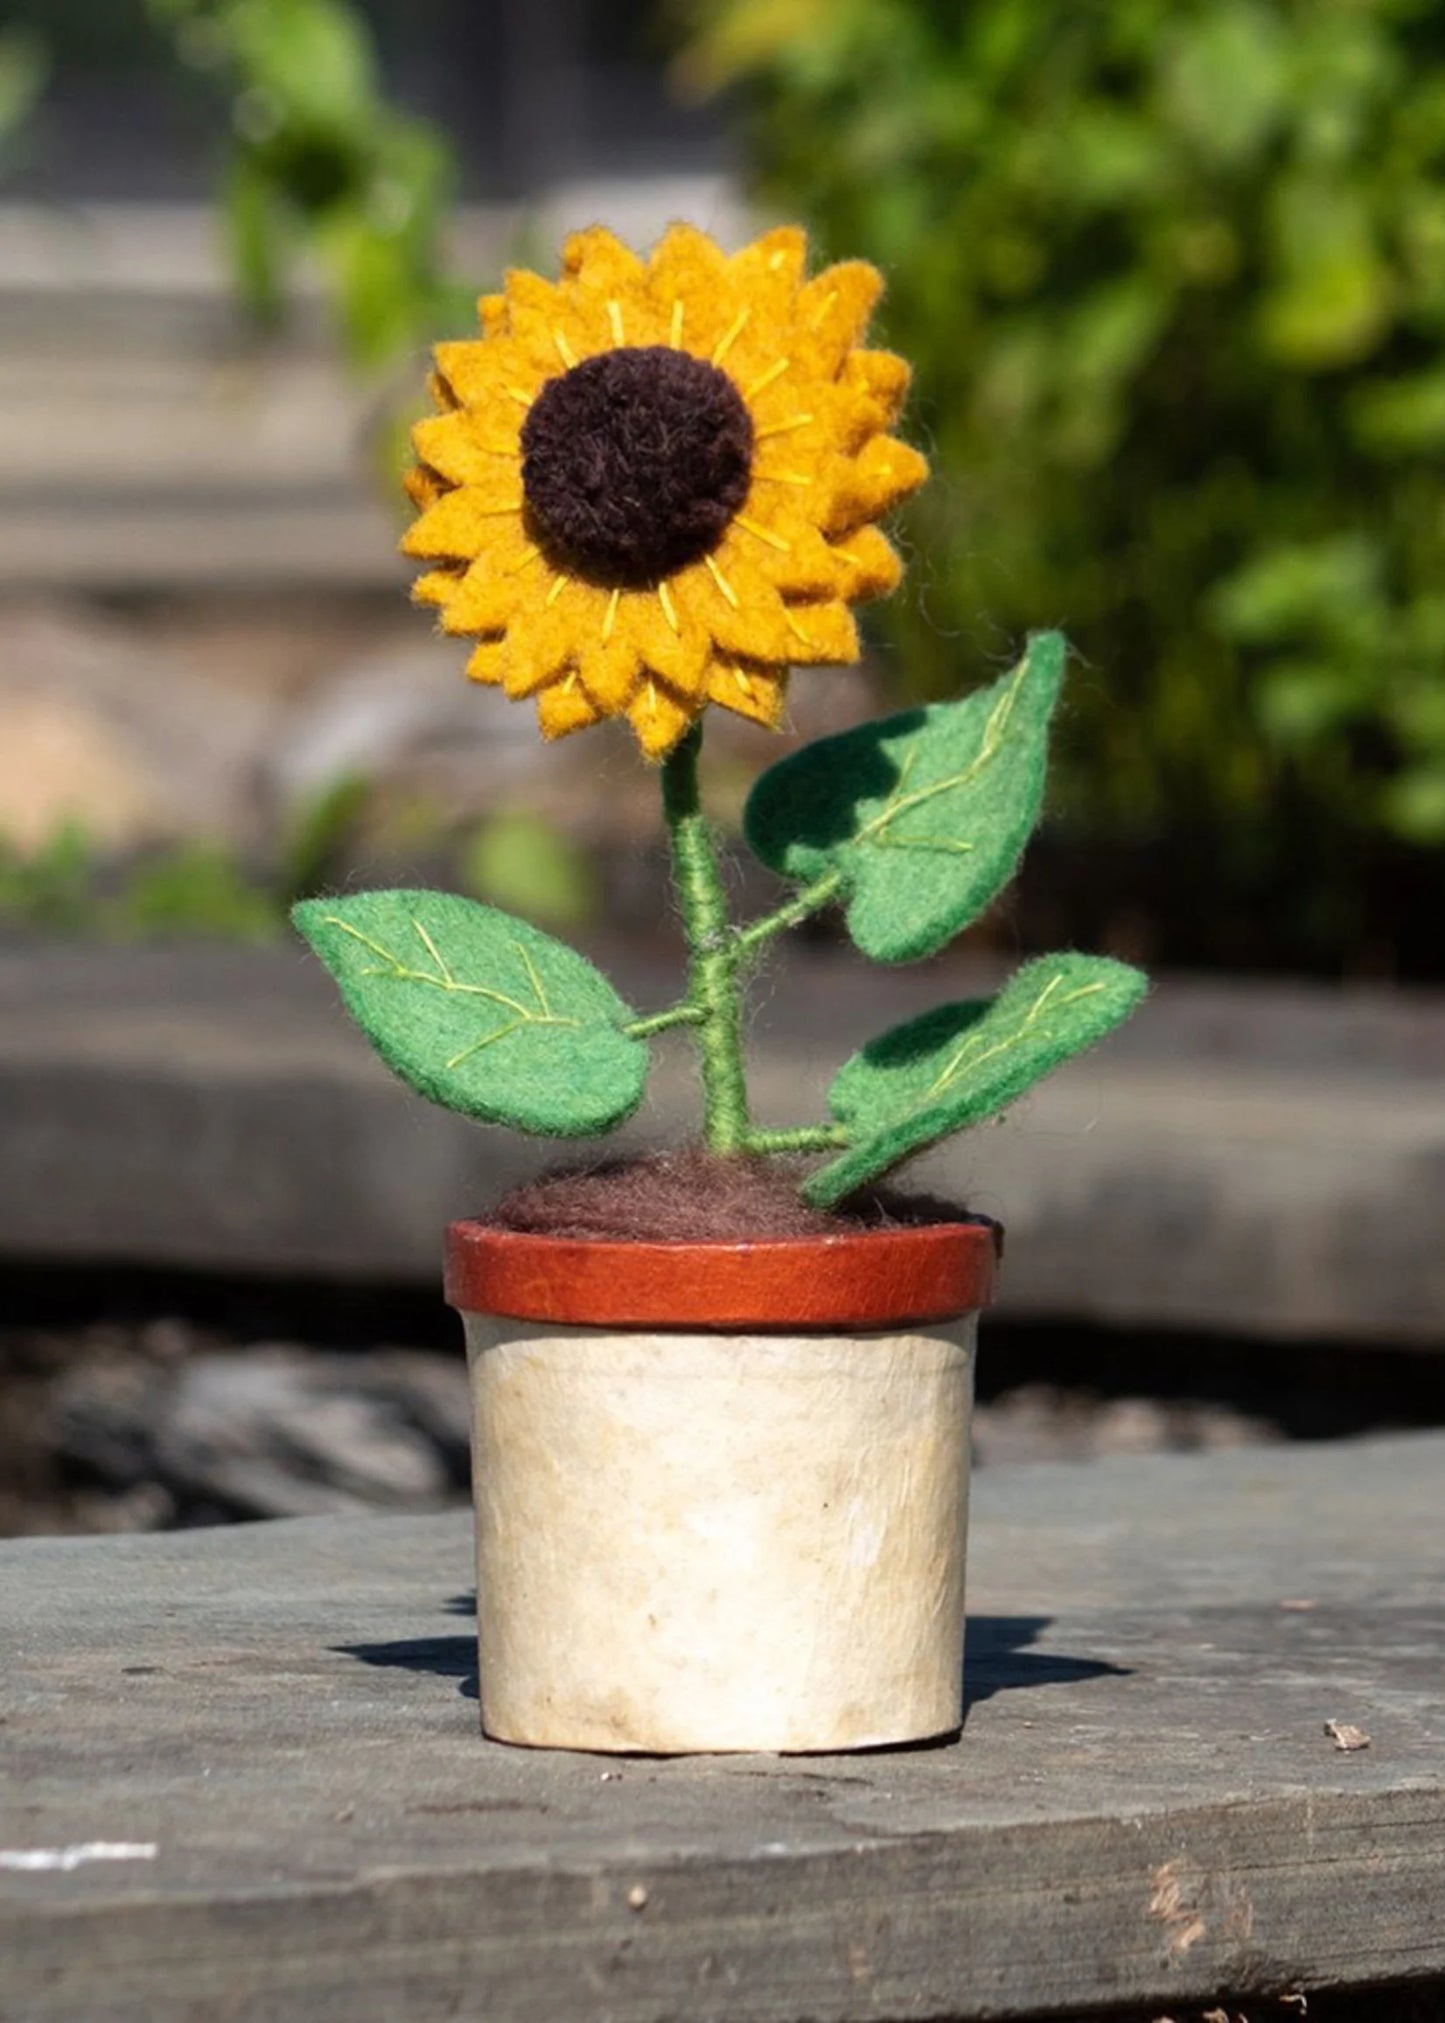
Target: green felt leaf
[(481, 1012), (961, 1062), (923, 816)]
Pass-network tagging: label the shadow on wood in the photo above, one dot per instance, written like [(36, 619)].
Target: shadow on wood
[(999, 1659)]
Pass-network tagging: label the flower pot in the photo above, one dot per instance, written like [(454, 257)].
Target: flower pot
[(721, 1489)]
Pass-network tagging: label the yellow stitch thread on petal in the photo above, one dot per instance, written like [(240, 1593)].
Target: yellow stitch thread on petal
[(518, 394), (674, 330), (731, 335), (798, 633), (555, 589), (742, 681), (721, 581), (779, 428), (669, 609), (614, 319), (783, 478), (763, 534), (609, 621), (765, 379), (564, 350)]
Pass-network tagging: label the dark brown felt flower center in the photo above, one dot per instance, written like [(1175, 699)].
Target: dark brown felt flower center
[(634, 462)]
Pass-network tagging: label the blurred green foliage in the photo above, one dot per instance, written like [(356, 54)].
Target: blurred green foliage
[(24, 68), (321, 162), (521, 861), (69, 887), (207, 888), (1172, 273)]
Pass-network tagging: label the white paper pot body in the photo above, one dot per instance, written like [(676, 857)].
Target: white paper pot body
[(693, 1541)]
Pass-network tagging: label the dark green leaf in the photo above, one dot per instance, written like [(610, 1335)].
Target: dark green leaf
[(481, 1012)]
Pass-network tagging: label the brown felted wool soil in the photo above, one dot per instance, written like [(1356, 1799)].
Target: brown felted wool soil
[(693, 1196)]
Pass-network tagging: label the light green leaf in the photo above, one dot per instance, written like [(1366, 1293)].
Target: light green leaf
[(961, 1062), (481, 1012), (923, 816)]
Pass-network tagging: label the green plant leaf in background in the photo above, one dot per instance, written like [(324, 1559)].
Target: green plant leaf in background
[(24, 70), (519, 860), (196, 888), (961, 1062), (923, 816), (481, 1012)]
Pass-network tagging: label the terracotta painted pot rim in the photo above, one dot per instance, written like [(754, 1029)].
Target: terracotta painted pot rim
[(856, 1279)]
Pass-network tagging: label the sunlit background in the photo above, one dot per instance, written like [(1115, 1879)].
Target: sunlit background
[(1172, 275)]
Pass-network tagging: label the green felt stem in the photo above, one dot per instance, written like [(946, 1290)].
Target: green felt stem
[(664, 1021), (713, 997), (805, 1138), (812, 899)]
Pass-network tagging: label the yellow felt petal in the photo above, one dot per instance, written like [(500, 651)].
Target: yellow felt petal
[(489, 372), (884, 471), (687, 280), (493, 588), (487, 662), (772, 266), (598, 259), (685, 256), (437, 586), (833, 310), (824, 634), (679, 654), (462, 522), (541, 643), (880, 378), (783, 548), (753, 692), (659, 719), (869, 566), (555, 326), (492, 314), (564, 708), (526, 290), (609, 670), (466, 448), (423, 486), (554, 343), (751, 621)]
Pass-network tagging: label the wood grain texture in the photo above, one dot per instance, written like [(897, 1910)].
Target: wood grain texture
[(878, 1278), (1143, 1807)]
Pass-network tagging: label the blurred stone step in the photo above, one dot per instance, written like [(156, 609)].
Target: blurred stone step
[(1248, 1159)]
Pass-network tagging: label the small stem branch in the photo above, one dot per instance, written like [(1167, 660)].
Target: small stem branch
[(713, 997), (663, 1021), (806, 1138), (812, 899)]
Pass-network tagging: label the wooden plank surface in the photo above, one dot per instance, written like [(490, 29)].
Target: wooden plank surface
[(243, 1779)]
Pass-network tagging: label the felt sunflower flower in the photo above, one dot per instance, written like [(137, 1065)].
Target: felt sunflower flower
[(651, 485)]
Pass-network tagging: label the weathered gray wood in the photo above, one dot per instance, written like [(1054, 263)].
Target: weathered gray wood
[(1144, 1806), (1258, 1159)]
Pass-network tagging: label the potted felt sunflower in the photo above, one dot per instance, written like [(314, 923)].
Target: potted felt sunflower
[(721, 1396)]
